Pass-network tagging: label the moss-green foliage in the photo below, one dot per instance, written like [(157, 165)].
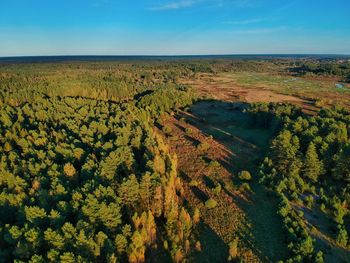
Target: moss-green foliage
[(166, 98), (325, 68), (113, 81), (85, 179), (309, 153)]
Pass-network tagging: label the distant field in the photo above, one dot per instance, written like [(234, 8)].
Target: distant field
[(251, 86), (289, 84)]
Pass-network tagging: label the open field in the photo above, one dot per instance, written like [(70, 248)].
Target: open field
[(236, 146), (223, 122), (252, 87)]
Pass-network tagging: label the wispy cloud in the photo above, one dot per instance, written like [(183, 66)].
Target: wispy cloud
[(180, 4), (246, 3), (174, 5), (245, 21), (255, 31)]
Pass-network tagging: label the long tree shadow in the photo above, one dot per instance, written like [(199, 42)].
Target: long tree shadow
[(213, 248), (195, 190), (230, 125)]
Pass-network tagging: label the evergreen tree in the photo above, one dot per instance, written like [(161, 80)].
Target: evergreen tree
[(342, 236), (342, 168), (313, 167), (285, 152), (120, 244), (146, 189)]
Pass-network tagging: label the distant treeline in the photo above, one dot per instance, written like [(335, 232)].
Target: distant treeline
[(323, 68)]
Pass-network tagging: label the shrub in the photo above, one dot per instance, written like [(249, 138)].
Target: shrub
[(309, 201), (198, 246), (203, 147), (194, 183), (166, 245), (228, 185), (188, 131), (214, 164), (319, 257), (342, 236), (338, 213), (217, 189), (167, 130), (245, 186), (320, 103), (245, 175), (305, 247), (323, 207), (211, 203), (233, 251), (196, 216)]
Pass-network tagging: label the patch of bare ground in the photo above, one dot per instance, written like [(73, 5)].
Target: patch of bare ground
[(223, 223), (225, 88), (253, 213), (249, 215)]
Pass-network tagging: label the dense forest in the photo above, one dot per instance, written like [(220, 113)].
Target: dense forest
[(87, 174), (308, 164), (86, 179)]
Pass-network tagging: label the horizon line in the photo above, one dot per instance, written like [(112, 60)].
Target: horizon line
[(178, 55)]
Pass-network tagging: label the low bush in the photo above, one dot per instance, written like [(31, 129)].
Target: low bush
[(203, 147), (245, 176), (217, 189), (188, 131), (194, 183), (167, 130), (211, 203)]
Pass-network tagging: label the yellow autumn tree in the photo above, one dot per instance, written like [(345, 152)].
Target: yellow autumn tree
[(69, 170)]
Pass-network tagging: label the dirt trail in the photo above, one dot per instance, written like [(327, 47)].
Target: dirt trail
[(241, 213)]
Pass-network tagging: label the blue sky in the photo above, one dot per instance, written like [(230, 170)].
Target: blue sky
[(172, 27)]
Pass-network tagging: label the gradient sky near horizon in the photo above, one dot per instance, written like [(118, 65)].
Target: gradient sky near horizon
[(173, 27)]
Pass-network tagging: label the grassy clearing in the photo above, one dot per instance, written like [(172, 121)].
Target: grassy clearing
[(234, 129), (321, 91), (243, 210), (200, 174), (288, 84), (311, 94)]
